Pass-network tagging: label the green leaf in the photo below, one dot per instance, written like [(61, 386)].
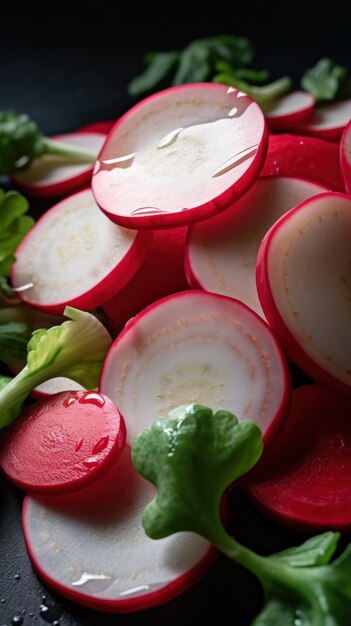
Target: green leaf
[(315, 551), (14, 337), (160, 67), (191, 456), (20, 141), (327, 81), (277, 612)]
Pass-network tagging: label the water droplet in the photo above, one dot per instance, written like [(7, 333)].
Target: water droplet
[(79, 445), (72, 397), (91, 462), (237, 159), (93, 582), (17, 620), (101, 445), (123, 161), (17, 577), (3, 600), (56, 623), (230, 90), (49, 612), (147, 210), (92, 397), (170, 138), (233, 112), (24, 287)]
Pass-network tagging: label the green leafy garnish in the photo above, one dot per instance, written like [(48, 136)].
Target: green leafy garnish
[(264, 95), (191, 456), (14, 337), (21, 142), (75, 349), (326, 81)]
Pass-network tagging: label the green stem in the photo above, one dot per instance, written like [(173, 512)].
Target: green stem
[(264, 95), (69, 152)]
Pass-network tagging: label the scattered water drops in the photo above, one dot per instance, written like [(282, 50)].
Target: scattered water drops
[(170, 138), (17, 577), (237, 159), (17, 620)]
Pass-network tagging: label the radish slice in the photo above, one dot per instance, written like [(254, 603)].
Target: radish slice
[(305, 157), (50, 176), (345, 157), (303, 281), (75, 255), (49, 387), (97, 127), (293, 108), (304, 480), (197, 347), (161, 273), (100, 556), (63, 443), (328, 121), (221, 252), (180, 156)]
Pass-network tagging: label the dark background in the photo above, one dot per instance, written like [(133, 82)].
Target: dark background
[(67, 64)]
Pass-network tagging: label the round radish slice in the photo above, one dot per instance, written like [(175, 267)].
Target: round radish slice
[(196, 347), (180, 156), (291, 109), (55, 385), (63, 443), (100, 556), (303, 281), (304, 479), (97, 127), (328, 121), (50, 176), (222, 252), (345, 157), (75, 255)]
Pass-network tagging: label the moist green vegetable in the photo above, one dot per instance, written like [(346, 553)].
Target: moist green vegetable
[(21, 142), (14, 337), (327, 81), (191, 457), (4, 380), (75, 349), (264, 95)]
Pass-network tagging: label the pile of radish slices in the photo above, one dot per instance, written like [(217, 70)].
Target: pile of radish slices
[(218, 253)]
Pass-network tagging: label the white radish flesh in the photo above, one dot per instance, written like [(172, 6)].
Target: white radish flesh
[(196, 347), (293, 108), (345, 157), (304, 279), (222, 252), (98, 554), (327, 121)]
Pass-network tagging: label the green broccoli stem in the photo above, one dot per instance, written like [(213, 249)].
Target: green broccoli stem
[(264, 95), (69, 152)]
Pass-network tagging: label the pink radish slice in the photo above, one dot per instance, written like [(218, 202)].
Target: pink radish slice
[(49, 176), (305, 157), (75, 255), (222, 251), (197, 347), (180, 156), (63, 443), (161, 273), (345, 157), (303, 282), (294, 108), (304, 479), (328, 121), (97, 127), (100, 555)]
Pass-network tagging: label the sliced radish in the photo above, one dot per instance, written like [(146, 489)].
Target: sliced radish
[(328, 121), (63, 443), (293, 108), (222, 251), (161, 273), (197, 347), (304, 479), (345, 157), (97, 127), (100, 556), (75, 255), (303, 281), (49, 176), (49, 387), (180, 156), (305, 157)]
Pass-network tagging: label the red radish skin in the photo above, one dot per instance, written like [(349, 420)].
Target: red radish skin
[(50, 178), (345, 157), (304, 479), (221, 252), (169, 160), (83, 264), (304, 157), (103, 127), (63, 443), (161, 274), (289, 110), (128, 571), (303, 273), (328, 121), (200, 347)]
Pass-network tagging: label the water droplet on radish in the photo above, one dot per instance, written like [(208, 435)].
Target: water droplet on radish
[(100, 445), (122, 161), (73, 397), (147, 210), (237, 159), (79, 445), (93, 583), (91, 397), (170, 138)]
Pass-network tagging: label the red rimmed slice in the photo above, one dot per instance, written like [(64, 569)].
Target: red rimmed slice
[(345, 157), (75, 255), (304, 479), (63, 443), (97, 553), (180, 156), (328, 121), (304, 157), (221, 252), (49, 176), (291, 109), (102, 127), (303, 282), (197, 347)]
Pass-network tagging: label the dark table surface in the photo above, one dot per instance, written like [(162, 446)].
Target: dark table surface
[(67, 65)]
